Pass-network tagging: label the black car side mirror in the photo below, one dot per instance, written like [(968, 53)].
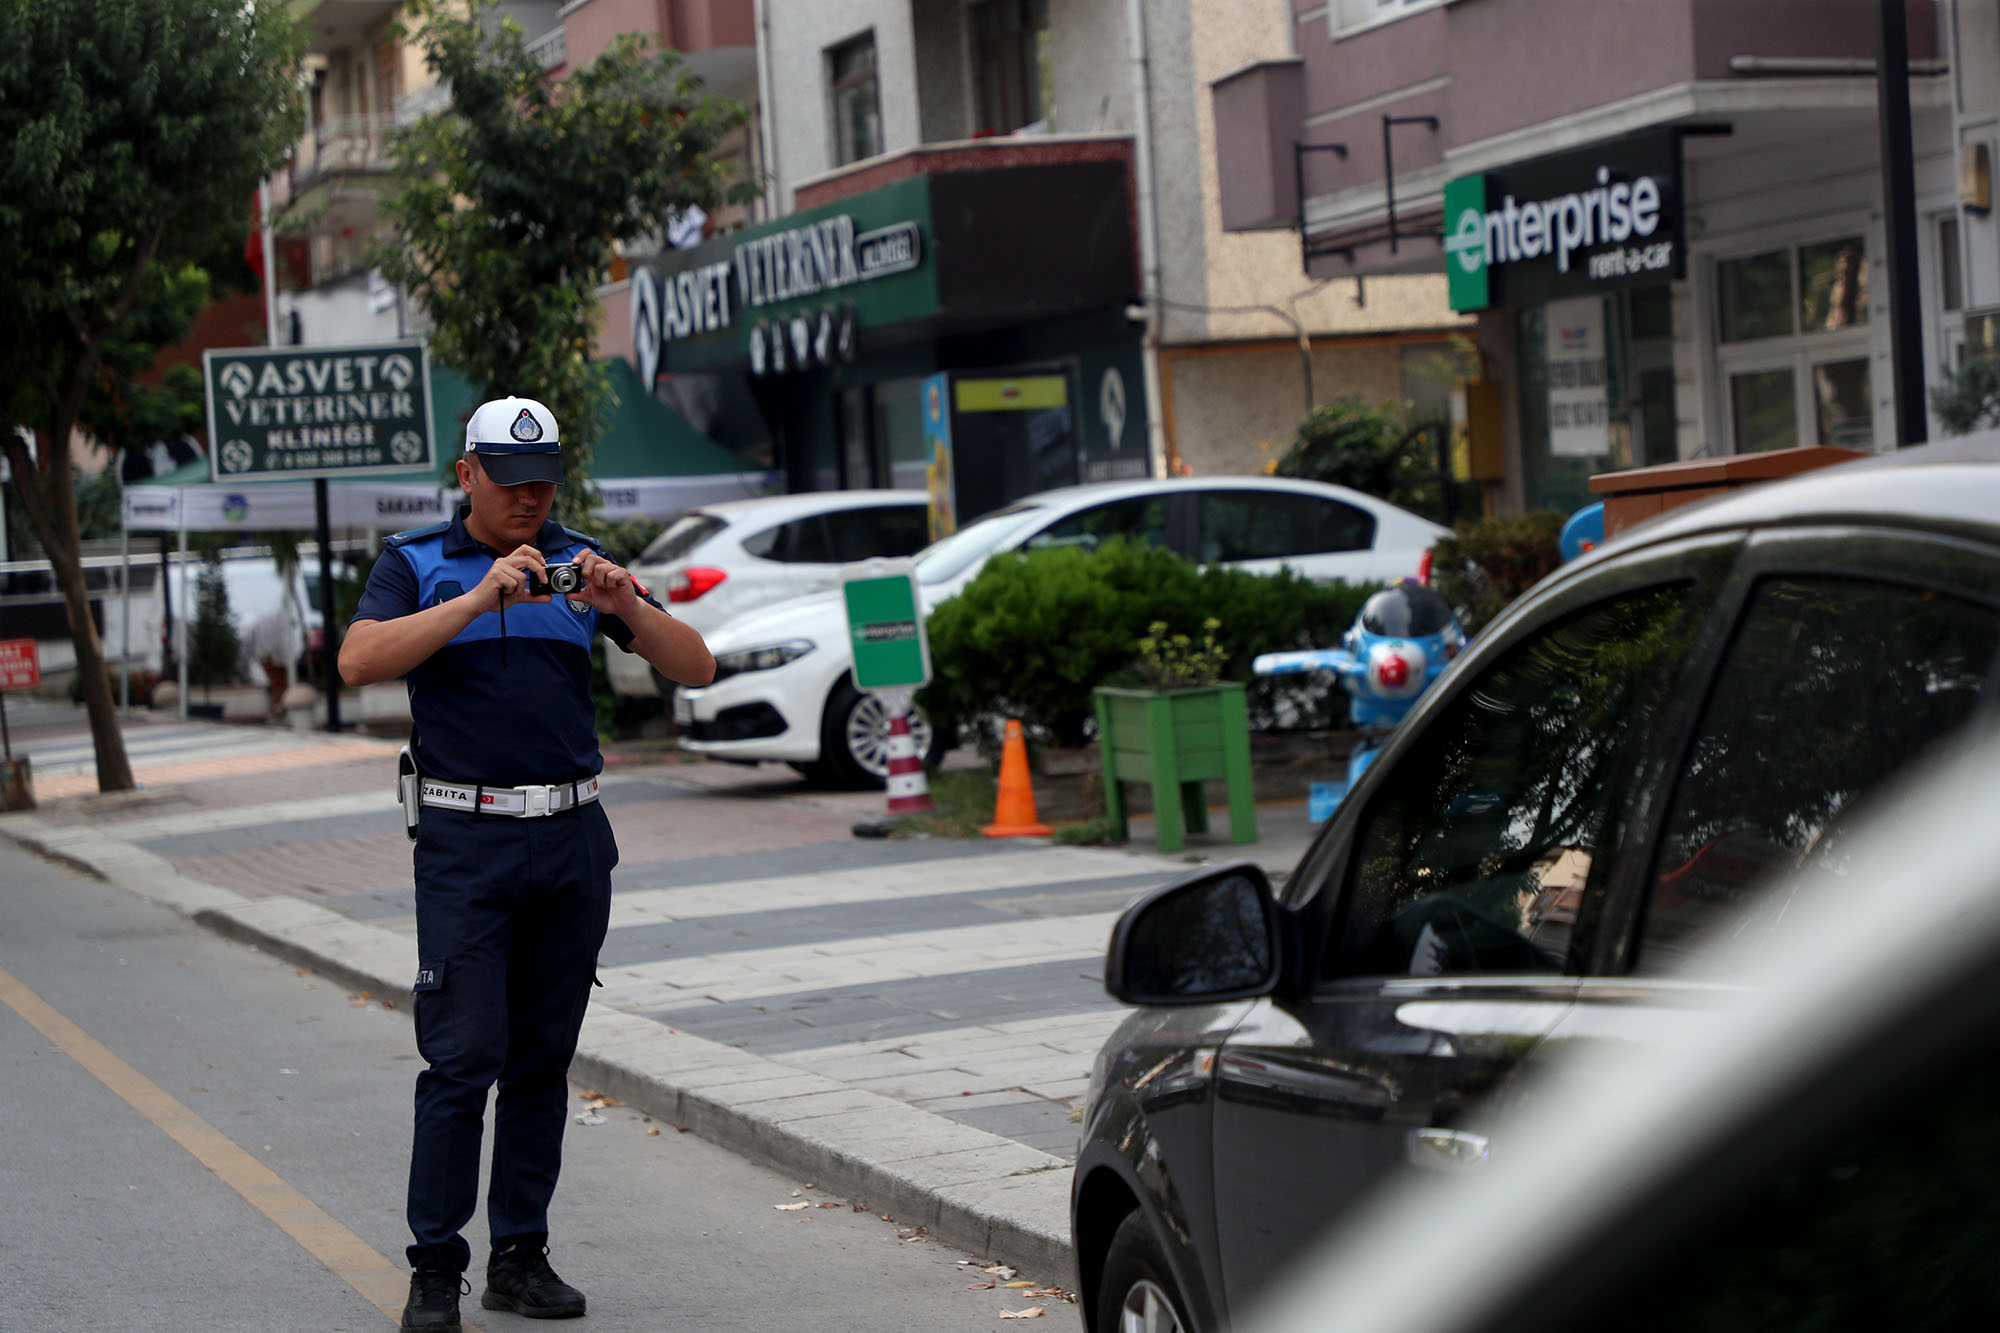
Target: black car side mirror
[(1210, 937)]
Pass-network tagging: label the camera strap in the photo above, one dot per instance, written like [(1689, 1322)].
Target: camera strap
[(503, 629)]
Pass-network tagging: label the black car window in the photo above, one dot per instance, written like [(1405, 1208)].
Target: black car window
[(1477, 853), (806, 542), (764, 545), (1270, 525), (897, 530), (1143, 518), (1831, 687), (682, 535)]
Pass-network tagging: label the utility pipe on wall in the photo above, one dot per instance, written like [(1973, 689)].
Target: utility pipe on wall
[(1149, 240)]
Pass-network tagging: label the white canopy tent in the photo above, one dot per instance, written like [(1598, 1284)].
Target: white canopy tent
[(174, 504)]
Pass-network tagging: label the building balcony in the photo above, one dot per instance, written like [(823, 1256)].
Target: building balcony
[(341, 25), (342, 146)]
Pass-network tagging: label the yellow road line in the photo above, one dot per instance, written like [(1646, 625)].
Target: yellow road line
[(381, 1283)]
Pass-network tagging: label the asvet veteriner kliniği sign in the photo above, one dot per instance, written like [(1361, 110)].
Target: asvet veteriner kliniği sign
[(317, 411)]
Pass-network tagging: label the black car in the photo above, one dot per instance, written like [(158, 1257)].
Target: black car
[(1619, 763)]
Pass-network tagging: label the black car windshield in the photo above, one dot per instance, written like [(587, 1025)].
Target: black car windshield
[(944, 560)]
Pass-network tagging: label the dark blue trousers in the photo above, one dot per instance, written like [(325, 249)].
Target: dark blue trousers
[(510, 916)]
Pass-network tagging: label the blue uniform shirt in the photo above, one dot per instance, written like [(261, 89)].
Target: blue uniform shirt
[(477, 718)]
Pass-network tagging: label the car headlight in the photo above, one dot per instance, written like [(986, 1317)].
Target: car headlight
[(760, 659)]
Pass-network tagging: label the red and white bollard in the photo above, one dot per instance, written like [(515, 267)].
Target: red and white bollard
[(909, 789)]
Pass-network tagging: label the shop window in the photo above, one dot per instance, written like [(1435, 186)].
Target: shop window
[(1792, 334), (857, 103), (1949, 283), (1011, 56)]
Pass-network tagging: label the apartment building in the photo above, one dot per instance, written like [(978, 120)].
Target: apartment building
[(1003, 215), (1665, 217)]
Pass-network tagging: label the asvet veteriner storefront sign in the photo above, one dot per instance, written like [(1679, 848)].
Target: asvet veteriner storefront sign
[(317, 411)]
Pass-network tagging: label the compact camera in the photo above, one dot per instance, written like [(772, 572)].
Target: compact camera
[(556, 580)]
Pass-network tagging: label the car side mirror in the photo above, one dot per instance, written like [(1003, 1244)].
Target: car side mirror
[(1207, 938)]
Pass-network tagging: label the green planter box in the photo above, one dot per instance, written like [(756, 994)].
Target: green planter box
[(1176, 740)]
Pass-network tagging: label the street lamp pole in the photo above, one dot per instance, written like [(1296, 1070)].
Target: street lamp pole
[(1899, 221)]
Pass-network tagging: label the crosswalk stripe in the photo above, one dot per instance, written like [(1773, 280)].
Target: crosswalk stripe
[(914, 879), (750, 974)]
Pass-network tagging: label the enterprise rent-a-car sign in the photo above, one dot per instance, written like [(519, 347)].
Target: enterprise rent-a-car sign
[(317, 411), (1593, 220)]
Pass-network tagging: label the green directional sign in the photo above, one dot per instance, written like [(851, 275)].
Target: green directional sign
[(886, 627), (1467, 279), (317, 411)]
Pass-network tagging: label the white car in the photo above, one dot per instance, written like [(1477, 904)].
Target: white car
[(723, 559), (783, 688)]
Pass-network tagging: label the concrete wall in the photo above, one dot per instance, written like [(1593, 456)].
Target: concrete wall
[(801, 108), (1237, 409)]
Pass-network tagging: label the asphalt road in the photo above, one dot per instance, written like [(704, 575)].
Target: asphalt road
[(203, 1137)]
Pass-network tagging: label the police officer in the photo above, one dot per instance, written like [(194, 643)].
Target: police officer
[(513, 852)]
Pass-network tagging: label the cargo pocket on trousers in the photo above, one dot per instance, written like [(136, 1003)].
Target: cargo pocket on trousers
[(434, 1012)]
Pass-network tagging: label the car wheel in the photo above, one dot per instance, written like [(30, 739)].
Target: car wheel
[(1137, 1295), (854, 738)]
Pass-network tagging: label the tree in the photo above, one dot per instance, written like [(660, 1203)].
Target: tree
[(509, 204), (1368, 449), (132, 135), (213, 647), (1970, 399)]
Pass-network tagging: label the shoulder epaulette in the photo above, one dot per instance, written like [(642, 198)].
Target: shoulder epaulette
[(585, 538), (416, 534)]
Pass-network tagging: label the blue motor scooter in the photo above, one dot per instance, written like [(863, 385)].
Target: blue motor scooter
[(1404, 637)]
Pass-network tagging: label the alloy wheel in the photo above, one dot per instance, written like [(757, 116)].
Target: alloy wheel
[(1147, 1310), (867, 734)]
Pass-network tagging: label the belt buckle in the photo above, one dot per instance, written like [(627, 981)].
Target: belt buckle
[(538, 801)]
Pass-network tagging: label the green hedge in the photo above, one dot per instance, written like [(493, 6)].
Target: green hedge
[(1036, 631), (1486, 563)]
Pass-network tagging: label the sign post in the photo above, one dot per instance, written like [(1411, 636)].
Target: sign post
[(319, 412), (20, 669), (892, 660)]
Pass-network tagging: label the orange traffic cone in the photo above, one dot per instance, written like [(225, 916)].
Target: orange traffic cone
[(1014, 810)]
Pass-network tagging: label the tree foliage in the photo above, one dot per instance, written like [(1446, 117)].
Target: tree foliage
[(1373, 450), (132, 135), (1970, 399), (509, 204)]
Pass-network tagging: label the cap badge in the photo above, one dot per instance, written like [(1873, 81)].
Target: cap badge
[(525, 428)]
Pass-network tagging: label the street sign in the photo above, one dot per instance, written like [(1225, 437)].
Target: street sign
[(885, 626), (300, 412), (20, 666)]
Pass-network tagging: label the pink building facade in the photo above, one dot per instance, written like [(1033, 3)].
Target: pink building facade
[(1666, 215)]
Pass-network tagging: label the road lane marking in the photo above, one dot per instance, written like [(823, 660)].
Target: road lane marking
[(379, 1281)]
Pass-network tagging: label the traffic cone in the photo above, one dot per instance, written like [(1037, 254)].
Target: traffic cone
[(1014, 810), (909, 790)]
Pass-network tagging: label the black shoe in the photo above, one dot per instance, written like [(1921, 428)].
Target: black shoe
[(433, 1303), (522, 1281)]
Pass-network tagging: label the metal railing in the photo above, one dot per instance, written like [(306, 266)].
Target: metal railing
[(346, 143), (550, 49)]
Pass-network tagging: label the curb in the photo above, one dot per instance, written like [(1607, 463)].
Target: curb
[(985, 1194)]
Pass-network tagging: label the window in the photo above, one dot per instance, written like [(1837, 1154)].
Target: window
[(1792, 327), (1271, 525), (1476, 855), (1347, 14), (1143, 518), (683, 535), (894, 530), (1010, 55), (857, 106), (1831, 687)]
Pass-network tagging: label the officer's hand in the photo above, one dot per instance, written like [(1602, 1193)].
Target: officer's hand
[(506, 583), (607, 586)]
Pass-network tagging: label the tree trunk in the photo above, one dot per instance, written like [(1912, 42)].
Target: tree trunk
[(54, 520)]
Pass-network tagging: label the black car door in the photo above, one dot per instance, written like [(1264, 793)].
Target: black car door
[(1457, 896), (1858, 658)]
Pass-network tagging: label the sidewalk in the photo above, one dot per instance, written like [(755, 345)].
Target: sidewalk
[(906, 1022)]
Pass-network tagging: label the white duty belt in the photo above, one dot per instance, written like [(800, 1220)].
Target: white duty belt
[(520, 802)]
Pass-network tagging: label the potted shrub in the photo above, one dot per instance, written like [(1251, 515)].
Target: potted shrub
[(1181, 728)]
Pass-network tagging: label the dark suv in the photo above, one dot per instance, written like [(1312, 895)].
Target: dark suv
[(1621, 762)]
